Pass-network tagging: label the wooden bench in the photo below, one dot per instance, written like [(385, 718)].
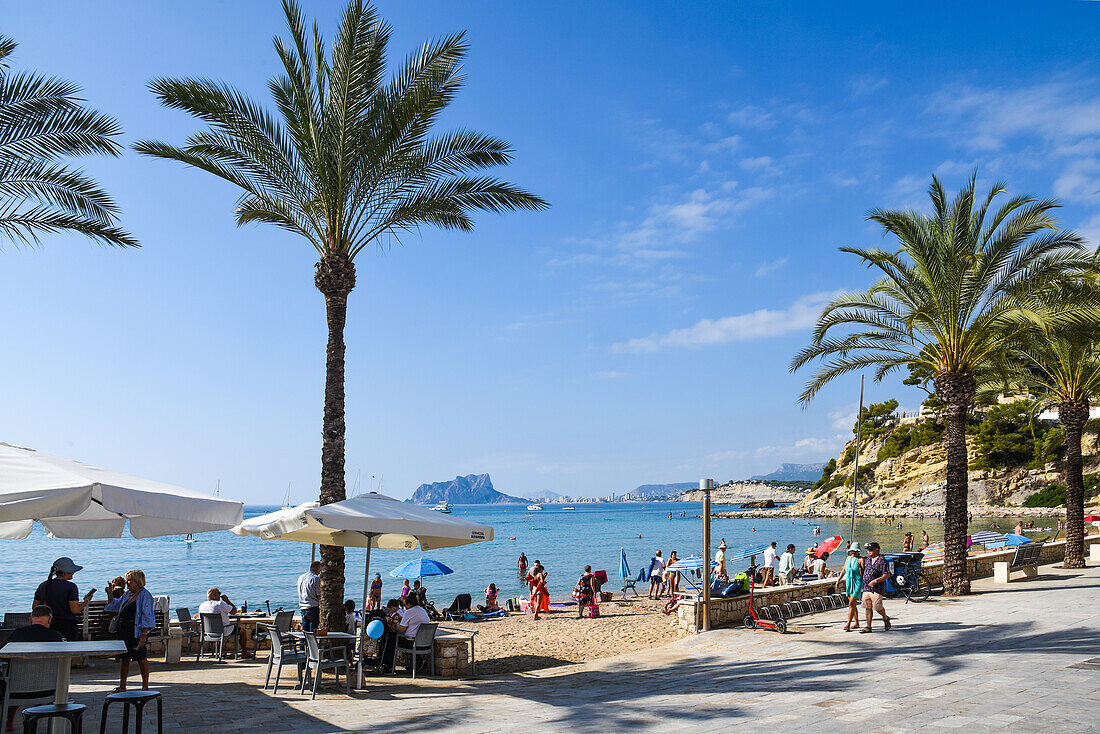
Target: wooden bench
[(1025, 559), (95, 624)]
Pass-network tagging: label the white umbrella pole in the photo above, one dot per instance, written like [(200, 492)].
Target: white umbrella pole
[(363, 612)]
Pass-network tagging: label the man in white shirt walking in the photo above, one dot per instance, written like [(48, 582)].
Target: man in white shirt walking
[(309, 597)]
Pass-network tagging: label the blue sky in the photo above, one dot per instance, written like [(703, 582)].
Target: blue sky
[(703, 161)]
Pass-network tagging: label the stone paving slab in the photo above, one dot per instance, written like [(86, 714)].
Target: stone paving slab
[(1009, 658)]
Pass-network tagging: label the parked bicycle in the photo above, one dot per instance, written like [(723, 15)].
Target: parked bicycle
[(906, 577)]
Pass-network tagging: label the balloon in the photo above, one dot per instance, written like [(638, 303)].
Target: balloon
[(375, 629)]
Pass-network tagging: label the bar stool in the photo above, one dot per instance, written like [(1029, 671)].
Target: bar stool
[(72, 712), (137, 699)]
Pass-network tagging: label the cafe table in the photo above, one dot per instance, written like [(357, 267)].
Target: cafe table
[(64, 652)]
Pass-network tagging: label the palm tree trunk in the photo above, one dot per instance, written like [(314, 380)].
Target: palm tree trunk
[(956, 390), (335, 278), (1072, 414)]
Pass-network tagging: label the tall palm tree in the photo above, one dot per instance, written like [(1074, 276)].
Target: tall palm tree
[(42, 121), (347, 162), (951, 294), (1058, 362)]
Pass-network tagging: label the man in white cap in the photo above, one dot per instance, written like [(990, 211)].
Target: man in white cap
[(720, 559), (59, 593)]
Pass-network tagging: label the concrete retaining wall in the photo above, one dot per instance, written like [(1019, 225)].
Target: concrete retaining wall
[(731, 612)]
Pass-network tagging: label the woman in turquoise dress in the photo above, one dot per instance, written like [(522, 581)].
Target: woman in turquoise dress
[(852, 576)]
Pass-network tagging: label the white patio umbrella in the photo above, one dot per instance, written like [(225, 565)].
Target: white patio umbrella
[(76, 500), (367, 521)]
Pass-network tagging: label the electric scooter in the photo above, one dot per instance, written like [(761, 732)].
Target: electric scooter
[(754, 622)]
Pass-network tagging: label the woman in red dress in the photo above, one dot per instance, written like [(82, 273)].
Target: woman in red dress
[(540, 596)]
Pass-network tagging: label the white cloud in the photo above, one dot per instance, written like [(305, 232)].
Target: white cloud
[(744, 327), (812, 446), (1080, 181), (751, 116), (766, 268), (762, 162), (844, 418), (1060, 112), (866, 84), (610, 375)]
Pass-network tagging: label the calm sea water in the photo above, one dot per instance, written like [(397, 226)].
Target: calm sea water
[(257, 570)]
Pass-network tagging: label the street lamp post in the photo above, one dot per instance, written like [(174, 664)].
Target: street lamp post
[(706, 485)]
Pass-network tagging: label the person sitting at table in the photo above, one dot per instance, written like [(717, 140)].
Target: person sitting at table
[(411, 618), (135, 622), (37, 631), (218, 603), (351, 618), (386, 643)]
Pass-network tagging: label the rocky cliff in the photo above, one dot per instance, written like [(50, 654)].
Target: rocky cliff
[(472, 489), (917, 479), (736, 493), (794, 473)]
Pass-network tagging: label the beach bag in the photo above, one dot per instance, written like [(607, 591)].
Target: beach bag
[(593, 610)]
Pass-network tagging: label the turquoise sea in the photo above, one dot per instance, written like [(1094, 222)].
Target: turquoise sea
[(257, 570)]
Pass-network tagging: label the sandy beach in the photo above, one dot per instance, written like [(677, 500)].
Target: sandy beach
[(519, 643)]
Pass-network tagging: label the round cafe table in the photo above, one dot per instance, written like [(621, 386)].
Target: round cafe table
[(64, 652)]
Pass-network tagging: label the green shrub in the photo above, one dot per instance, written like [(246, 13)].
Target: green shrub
[(897, 443), (1048, 447), (826, 473), (875, 419), (1053, 495), (1010, 436), (925, 433)]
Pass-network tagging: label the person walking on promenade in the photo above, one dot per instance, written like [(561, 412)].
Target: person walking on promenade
[(771, 562), (309, 597), (135, 622), (852, 577), (875, 572), (59, 593)]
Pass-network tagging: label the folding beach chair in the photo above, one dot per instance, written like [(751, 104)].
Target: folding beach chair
[(631, 584)]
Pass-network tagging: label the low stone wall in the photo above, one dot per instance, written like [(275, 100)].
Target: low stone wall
[(452, 657), (731, 612)]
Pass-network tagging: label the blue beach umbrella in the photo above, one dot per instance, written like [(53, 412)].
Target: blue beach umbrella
[(691, 563), (624, 569), (1010, 540), (419, 567), (756, 550), (987, 537)]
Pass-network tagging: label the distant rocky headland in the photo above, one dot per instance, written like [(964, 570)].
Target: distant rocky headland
[(793, 473), (472, 489), (751, 491)]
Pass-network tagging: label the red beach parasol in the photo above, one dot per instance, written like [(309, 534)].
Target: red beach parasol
[(829, 545)]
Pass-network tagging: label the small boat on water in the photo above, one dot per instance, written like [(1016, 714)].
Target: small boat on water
[(443, 507), (569, 507), (532, 508)]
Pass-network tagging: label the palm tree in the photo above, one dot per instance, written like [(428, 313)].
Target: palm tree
[(951, 294), (348, 162), (1058, 362), (41, 122)]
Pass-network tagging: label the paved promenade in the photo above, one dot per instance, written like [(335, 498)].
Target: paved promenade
[(1025, 657)]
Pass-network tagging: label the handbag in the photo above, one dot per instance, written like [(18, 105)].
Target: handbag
[(112, 626)]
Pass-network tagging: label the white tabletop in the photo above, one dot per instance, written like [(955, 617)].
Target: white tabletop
[(62, 649)]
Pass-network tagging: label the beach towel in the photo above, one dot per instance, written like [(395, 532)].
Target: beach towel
[(474, 616)]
